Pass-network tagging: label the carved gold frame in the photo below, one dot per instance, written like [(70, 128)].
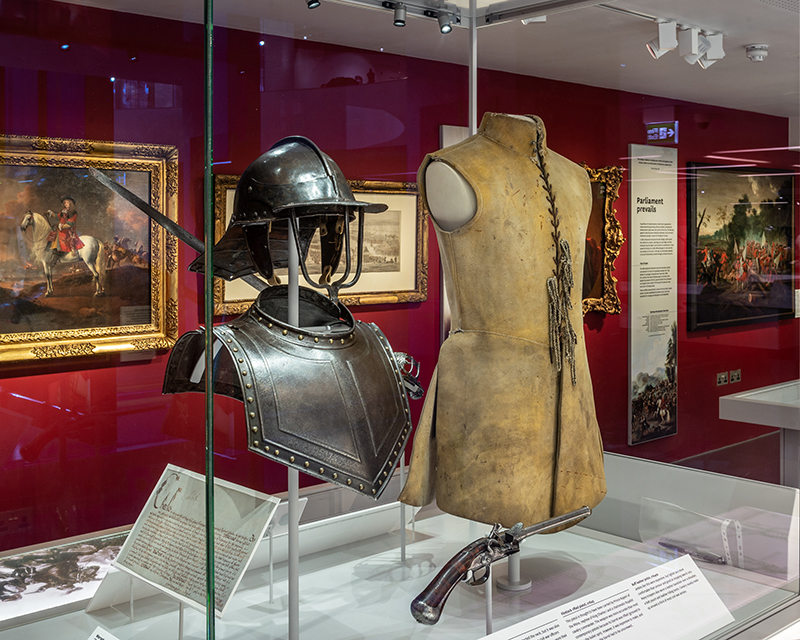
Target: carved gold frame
[(161, 162), (228, 303), (611, 179)]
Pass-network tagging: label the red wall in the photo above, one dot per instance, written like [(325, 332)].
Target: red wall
[(84, 440)]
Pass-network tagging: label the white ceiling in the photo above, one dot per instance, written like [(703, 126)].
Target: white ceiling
[(592, 45)]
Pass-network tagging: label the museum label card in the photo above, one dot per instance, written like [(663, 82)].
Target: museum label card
[(102, 634), (673, 601), (166, 547)]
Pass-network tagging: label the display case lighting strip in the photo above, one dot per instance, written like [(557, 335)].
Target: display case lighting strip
[(424, 10), (500, 12), (492, 14), (682, 24)]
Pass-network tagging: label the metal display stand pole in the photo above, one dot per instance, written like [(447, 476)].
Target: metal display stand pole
[(180, 621), (473, 67), (293, 474), (402, 510), (271, 563), (488, 592), (208, 310), (513, 581)]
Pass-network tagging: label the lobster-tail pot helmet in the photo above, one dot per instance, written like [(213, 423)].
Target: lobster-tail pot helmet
[(294, 183)]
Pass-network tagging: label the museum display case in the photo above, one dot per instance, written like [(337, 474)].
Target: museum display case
[(601, 262)]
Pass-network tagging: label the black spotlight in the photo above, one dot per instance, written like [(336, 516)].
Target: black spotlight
[(444, 22), (399, 15), (312, 4)]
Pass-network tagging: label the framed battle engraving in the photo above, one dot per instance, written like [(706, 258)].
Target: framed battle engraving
[(603, 241), (395, 248), (82, 271), (740, 246)]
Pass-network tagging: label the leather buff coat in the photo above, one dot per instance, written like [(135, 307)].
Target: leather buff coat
[(505, 436)]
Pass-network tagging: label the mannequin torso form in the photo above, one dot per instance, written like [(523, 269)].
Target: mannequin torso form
[(508, 432)]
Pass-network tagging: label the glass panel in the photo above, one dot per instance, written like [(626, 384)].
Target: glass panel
[(683, 176)]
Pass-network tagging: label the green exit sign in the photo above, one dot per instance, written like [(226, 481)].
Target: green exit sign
[(662, 132)]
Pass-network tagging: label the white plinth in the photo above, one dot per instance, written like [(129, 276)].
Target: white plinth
[(777, 405)]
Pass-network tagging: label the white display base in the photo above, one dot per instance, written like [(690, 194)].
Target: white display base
[(362, 590), (777, 405)]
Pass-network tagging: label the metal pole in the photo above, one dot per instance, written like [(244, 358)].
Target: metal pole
[(402, 510), (488, 592), (208, 227), (271, 573), (473, 67), (293, 474)]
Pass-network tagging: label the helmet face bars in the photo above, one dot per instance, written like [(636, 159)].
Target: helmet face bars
[(294, 183)]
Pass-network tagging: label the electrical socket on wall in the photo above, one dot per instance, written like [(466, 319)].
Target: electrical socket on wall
[(722, 378), (736, 376), (15, 521)]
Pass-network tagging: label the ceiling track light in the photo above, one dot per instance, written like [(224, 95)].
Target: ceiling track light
[(399, 15), (446, 19), (715, 51), (691, 45), (666, 39), (444, 22)]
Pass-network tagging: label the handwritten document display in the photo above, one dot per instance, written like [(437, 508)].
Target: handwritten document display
[(166, 546), (672, 601)]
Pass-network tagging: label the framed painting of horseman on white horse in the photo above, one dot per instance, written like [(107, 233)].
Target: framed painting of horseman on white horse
[(82, 271), (740, 249)]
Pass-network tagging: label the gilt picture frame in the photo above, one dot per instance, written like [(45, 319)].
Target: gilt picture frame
[(604, 240), (396, 248), (112, 284)]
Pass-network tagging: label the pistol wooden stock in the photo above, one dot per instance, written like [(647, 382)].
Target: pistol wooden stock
[(427, 606)]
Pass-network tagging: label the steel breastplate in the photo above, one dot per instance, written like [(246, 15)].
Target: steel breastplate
[(326, 398)]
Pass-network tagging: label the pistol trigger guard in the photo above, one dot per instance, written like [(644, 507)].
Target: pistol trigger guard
[(475, 581)]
